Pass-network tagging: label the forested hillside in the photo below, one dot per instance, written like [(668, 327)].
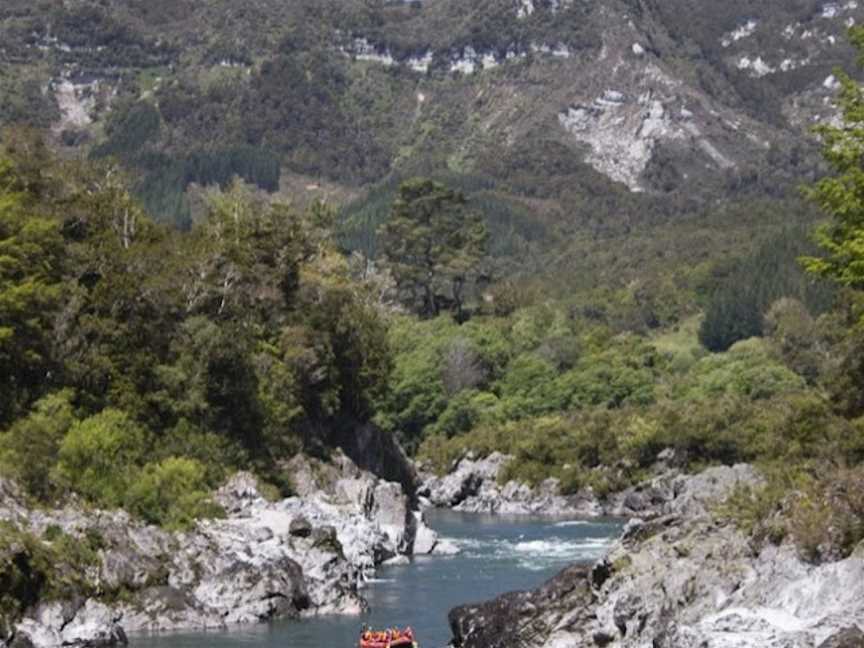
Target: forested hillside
[(548, 112), (140, 363)]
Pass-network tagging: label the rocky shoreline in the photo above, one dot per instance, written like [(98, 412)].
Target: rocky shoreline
[(303, 555), (681, 578), (473, 487)]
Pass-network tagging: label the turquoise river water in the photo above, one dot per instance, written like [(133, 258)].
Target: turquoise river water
[(498, 555)]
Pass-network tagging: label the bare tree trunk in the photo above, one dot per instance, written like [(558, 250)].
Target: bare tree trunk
[(431, 306), (226, 287), (458, 286), (126, 228)]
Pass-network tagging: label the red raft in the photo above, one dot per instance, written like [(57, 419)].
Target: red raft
[(392, 638)]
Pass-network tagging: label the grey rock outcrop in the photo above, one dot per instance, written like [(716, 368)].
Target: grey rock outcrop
[(684, 580), (674, 493), (851, 637), (298, 556), (512, 619), (90, 624), (472, 486), (377, 452)]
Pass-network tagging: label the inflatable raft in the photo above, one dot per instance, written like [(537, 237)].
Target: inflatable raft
[(392, 638)]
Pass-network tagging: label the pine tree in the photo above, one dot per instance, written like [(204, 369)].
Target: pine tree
[(433, 244)]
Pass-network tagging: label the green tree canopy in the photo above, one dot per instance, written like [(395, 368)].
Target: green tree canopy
[(31, 259), (434, 246), (100, 456), (841, 195)]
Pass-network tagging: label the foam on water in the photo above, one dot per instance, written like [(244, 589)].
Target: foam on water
[(534, 554), (573, 523)]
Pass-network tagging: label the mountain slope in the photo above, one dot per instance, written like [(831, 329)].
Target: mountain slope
[(524, 98)]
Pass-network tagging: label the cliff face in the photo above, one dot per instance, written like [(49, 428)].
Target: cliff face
[(681, 580)]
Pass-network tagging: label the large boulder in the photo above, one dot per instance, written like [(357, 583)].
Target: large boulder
[(464, 482), (239, 492), (425, 539), (527, 618), (473, 486), (390, 510), (674, 493), (851, 637), (92, 625)]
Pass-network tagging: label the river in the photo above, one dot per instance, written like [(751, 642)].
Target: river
[(498, 555)]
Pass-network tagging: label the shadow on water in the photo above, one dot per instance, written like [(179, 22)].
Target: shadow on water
[(498, 555)]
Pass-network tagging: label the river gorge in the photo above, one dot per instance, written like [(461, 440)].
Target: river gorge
[(352, 548), (497, 554)]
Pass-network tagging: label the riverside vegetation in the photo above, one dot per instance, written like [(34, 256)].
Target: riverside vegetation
[(142, 365)]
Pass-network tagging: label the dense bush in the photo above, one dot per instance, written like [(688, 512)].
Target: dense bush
[(738, 305), (747, 369), (144, 366), (100, 456), (29, 449), (598, 446), (173, 493)]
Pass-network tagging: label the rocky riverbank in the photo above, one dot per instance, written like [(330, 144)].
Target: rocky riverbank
[(308, 554), (473, 486), (681, 578)]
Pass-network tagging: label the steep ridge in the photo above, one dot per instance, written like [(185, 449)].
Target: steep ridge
[(542, 95)]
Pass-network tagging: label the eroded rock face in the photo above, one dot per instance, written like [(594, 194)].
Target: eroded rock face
[(473, 487), (683, 580), (512, 619), (851, 637), (87, 624), (673, 493), (302, 555)]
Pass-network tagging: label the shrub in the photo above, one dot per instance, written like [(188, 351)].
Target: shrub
[(218, 454), (826, 519), (101, 456), (462, 368), (28, 451), (820, 508), (529, 388), (465, 411), (172, 493), (416, 394), (795, 338), (747, 369), (532, 326)]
